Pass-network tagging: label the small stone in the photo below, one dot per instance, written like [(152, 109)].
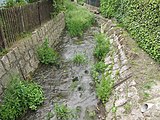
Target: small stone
[(132, 83), (120, 102)]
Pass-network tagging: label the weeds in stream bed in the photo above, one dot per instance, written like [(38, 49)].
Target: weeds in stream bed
[(102, 46), (46, 54), (63, 112), (78, 19), (104, 88), (79, 59)]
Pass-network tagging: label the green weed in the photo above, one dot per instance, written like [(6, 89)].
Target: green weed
[(104, 88), (100, 67), (46, 54), (63, 112), (78, 19), (79, 59), (102, 47), (127, 107), (19, 96)]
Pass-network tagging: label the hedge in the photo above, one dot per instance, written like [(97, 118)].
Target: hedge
[(141, 18)]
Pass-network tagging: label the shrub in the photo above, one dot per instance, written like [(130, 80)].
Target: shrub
[(79, 58), (102, 47), (12, 3), (104, 88), (19, 96), (46, 54), (78, 19), (63, 112), (141, 18)]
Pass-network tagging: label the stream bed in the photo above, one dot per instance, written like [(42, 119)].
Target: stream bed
[(70, 84)]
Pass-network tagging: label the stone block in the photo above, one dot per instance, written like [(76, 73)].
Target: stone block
[(26, 56), (11, 57), (22, 63), (5, 80), (2, 70), (17, 53), (6, 63), (31, 53), (21, 47)]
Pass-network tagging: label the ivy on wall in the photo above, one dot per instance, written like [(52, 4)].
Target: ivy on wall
[(141, 18)]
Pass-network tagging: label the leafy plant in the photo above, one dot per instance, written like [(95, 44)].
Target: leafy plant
[(79, 58), (100, 67), (63, 112), (81, 2), (19, 96), (102, 47), (46, 54), (140, 18), (104, 88), (78, 19), (3, 52), (12, 3)]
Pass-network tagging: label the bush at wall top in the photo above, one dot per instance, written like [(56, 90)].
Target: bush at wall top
[(141, 18), (46, 54), (19, 96), (77, 19)]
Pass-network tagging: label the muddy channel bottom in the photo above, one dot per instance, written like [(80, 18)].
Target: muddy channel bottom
[(69, 84)]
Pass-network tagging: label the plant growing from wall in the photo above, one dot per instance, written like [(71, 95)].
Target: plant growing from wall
[(46, 54), (19, 96)]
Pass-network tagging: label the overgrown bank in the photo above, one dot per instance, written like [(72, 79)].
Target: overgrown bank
[(141, 18)]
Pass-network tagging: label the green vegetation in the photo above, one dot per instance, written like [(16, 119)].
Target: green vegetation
[(102, 78), (46, 54), (102, 47), (3, 52), (20, 96), (141, 18), (81, 2), (79, 58), (104, 88), (100, 67), (12, 3), (78, 19), (58, 6), (127, 108), (63, 112)]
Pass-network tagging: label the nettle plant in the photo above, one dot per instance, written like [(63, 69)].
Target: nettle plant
[(20, 96), (46, 54)]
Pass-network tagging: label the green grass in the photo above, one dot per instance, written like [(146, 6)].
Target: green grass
[(102, 46), (104, 88), (79, 58), (63, 112), (78, 19)]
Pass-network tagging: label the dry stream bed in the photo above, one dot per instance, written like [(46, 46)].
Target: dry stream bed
[(70, 84)]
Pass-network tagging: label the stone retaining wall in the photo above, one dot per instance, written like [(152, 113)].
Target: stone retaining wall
[(21, 58)]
